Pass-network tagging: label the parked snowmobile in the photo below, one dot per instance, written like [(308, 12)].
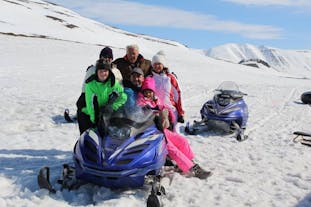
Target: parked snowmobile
[(128, 151), (226, 106), (303, 137), (306, 97), (124, 151)]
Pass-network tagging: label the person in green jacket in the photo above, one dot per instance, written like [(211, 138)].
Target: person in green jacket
[(98, 88)]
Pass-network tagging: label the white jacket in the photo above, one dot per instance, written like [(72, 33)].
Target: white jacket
[(163, 88)]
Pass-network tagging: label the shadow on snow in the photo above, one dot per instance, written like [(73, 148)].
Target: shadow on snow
[(22, 166)]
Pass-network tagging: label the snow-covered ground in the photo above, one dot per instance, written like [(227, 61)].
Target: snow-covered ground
[(41, 77)]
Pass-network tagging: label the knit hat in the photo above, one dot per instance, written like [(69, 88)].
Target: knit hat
[(106, 53), (159, 58), (102, 66), (138, 70), (161, 52)]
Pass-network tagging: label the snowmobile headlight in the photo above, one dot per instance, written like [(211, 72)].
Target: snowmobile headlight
[(119, 133), (223, 101), (227, 111)]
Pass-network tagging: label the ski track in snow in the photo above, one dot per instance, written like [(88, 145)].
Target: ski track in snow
[(256, 172), (267, 113)]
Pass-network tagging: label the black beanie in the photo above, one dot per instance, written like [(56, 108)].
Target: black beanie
[(100, 65), (106, 53)]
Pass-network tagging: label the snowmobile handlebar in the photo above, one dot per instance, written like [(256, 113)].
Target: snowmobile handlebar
[(232, 93)]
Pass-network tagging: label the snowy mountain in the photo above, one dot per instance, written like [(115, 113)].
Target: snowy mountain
[(292, 61), (42, 65), (34, 16)]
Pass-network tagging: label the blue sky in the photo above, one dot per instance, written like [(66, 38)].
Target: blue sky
[(204, 24)]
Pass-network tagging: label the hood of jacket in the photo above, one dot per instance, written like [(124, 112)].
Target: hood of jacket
[(148, 84)]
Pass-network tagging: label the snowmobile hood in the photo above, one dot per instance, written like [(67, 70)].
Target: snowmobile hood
[(126, 144)]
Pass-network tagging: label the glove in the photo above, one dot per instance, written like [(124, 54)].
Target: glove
[(164, 119), (146, 107), (161, 121), (180, 119), (113, 96), (107, 110)]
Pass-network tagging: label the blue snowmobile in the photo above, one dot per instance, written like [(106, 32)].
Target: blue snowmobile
[(226, 106), (125, 150)]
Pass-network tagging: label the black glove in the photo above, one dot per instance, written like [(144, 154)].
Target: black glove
[(158, 123), (113, 96), (107, 110), (181, 119), (146, 108)]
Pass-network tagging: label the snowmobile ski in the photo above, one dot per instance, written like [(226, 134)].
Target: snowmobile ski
[(199, 126), (67, 179), (303, 137), (155, 198), (304, 134), (68, 117), (196, 128), (44, 179)]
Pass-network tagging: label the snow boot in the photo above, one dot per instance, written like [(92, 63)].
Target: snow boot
[(197, 171)]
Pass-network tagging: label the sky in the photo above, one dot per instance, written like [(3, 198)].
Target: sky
[(204, 24)]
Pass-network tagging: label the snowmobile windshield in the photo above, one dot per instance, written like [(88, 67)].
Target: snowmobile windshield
[(228, 86), (227, 92), (124, 124)]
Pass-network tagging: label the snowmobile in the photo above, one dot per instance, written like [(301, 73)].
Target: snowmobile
[(125, 150), (226, 106), (306, 97), (302, 137)]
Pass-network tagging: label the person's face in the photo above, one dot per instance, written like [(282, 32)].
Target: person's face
[(148, 93), (137, 79), (132, 55), (102, 74), (158, 67), (106, 59)]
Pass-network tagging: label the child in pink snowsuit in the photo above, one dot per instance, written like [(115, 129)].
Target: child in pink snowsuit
[(146, 98), (178, 147)]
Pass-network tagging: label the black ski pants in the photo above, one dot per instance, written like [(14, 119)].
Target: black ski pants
[(83, 119)]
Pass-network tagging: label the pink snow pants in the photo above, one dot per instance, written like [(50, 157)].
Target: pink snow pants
[(179, 150)]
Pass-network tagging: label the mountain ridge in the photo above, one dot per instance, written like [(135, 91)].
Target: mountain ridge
[(49, 15), (42, 19), (293, 61)]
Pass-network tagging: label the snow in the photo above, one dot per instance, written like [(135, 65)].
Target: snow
[(40, 77), (290, 61)]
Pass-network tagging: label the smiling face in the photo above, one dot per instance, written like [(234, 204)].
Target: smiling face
[(148, 93), (137, 79), (102, 74), (132, 54), (158, 67), (106, 59)]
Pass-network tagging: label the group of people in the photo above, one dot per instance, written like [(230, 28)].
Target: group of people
[(137, 82)]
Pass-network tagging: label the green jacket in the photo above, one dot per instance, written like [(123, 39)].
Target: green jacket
[(102, 91)]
